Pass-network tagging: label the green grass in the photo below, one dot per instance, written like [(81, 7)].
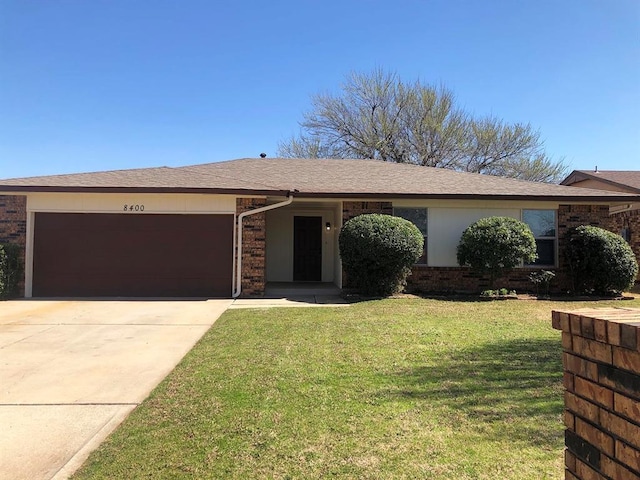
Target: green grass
[(390, 389)]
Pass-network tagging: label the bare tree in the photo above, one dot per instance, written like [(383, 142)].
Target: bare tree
[(379, 116)]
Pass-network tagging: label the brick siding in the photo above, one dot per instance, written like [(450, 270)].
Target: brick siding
[(571, 216), (353, 209), (630, 221), (462, 280), (254, 240), (601, 360), (13, 224)]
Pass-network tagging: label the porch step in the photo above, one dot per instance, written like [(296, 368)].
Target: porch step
[(289, 289)]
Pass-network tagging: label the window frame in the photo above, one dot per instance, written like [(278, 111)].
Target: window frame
[(425, 236), (554, 238)]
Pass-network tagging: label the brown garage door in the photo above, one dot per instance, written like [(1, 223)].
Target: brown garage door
[(132, 255)]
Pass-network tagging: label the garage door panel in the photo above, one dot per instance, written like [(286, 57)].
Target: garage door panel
[(132, 255), (96, 286)]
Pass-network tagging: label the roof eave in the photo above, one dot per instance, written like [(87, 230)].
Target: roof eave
[(624, 198), (209, 191), (630, 198)]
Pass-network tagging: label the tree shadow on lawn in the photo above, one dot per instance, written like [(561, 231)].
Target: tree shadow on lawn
[(514, 385)]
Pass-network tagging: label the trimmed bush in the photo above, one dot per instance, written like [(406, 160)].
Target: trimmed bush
[(10, 270), (378, 251), (494, 245), (600, 262)]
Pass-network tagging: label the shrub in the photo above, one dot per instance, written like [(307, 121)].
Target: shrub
[(494, 245), (378, 251), (542, 278), (10, 269), (600, 262), (502, 292)]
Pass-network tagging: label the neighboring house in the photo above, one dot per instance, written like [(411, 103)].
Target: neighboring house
[(625, 219), (175, 231)]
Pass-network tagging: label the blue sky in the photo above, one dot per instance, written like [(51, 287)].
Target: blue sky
[(112, 84)]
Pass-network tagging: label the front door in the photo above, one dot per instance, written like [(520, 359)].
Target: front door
[(307, 249)]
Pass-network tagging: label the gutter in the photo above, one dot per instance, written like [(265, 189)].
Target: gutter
[(621, 208), (622, 197), (238, 283), (24, 189)]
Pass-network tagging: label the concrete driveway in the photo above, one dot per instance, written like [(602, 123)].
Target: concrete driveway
[(71, 371)]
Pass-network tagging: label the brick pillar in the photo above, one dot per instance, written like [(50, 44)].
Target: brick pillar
[(13, 225), (353, 209), (601, 361), (571, 216), (254, 242)]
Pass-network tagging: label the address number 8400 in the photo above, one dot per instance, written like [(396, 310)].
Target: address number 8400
[(133, 208)]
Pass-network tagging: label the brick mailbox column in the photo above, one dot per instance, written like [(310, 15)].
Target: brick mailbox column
[(601, 359)]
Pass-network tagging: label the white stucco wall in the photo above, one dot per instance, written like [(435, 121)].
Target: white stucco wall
[(447, 219), (115, 202), (445, 229)]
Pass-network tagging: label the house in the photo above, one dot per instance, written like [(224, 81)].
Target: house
[(625, 219), (176, 231), (613, 180)]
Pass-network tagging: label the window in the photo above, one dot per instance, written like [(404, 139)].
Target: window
[(543, 225), (626, 234), (418, 216)]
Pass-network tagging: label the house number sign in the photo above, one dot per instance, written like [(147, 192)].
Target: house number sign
[(133, 207)]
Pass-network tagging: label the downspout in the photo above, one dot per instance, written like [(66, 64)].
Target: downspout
[(238, 287)]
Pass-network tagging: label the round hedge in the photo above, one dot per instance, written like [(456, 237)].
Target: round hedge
[(600, 262), (378, 251), (494, 245)]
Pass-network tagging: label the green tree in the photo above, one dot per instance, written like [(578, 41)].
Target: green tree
[(600, 261), (494, 245), (379, 116), (377, 252)]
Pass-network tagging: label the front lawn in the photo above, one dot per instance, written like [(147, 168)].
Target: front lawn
[(429, 389)]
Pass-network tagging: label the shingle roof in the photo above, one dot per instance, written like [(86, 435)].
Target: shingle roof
[(626, 179), (311, 178)]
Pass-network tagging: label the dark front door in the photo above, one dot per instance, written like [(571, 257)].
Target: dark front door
[(307, 249)]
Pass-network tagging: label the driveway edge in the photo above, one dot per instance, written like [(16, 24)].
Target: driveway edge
[(76, 461)]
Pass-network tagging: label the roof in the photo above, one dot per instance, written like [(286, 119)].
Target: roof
[(312, 178), (624, 180)]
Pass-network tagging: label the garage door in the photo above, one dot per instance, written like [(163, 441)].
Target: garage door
[(132, 255)]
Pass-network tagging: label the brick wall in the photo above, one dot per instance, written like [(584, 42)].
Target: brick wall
[(254, 239), (630, 221), (13, 224), (353, 209), (601, 358), (462, 280)]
